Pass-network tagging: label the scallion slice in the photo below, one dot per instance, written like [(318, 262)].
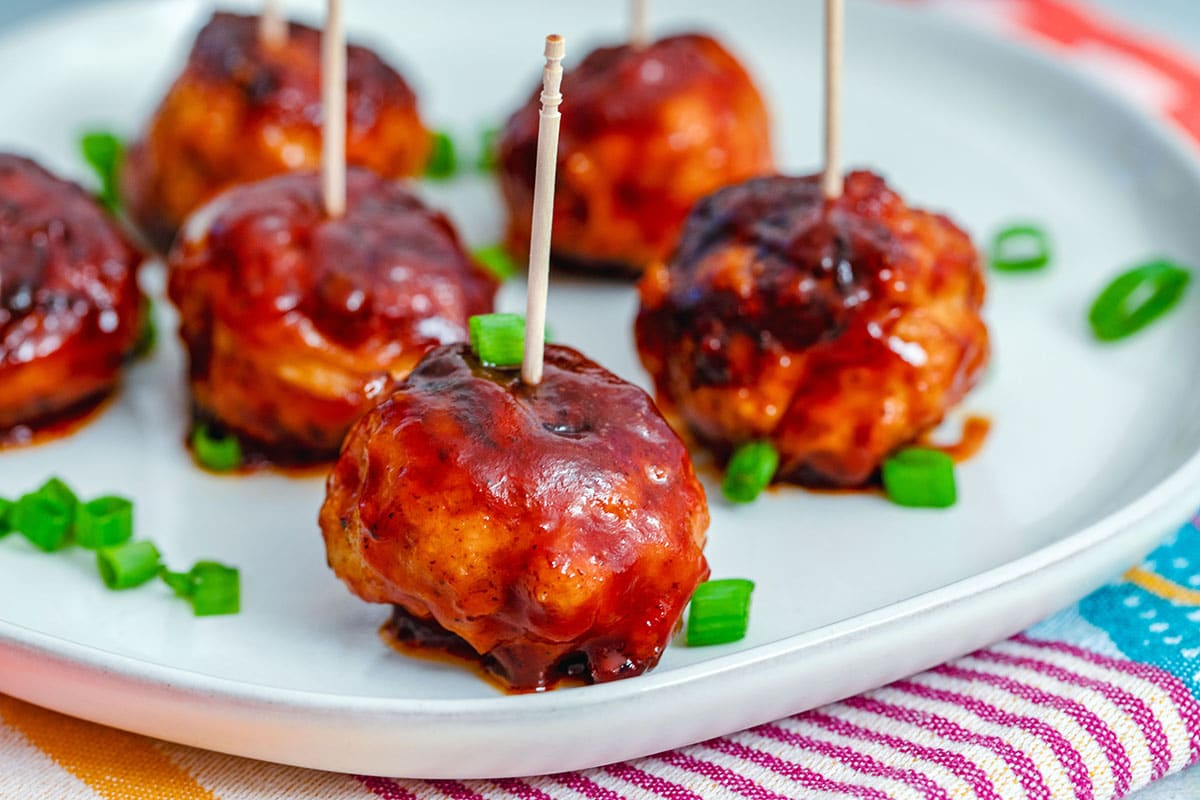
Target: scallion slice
[(443, 161), (496, 260), (1020, 248), (750, 471), (103, 151), (918, 477), (211, 587), (180, 582), (487, 150), (43, 520), (128, 565), (220, 453), (498, 339), (1136, 298), (57, 490), (148, 335), (720, 612), (216, 589), (6, 507), (104, 522)]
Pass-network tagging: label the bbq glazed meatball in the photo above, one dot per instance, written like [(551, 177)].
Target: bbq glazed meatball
[(645, 134), (556, 529), (295, 323), (840, 331), (70, 309), (243, 110)]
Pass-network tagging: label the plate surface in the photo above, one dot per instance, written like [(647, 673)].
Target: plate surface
[(1091, 459)]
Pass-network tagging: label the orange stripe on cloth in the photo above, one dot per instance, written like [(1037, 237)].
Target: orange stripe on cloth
[(1156, 584), (114, 764)]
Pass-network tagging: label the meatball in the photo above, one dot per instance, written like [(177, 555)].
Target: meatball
[(647, 132), (243, 110), (556, 529), (70, 308), (838, 330), (295, 323)]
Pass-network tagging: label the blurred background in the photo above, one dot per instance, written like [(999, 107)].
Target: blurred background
[(1178, 20)]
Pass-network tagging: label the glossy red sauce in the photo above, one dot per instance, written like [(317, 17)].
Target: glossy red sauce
[(645, 132), (242, 110), (557, 529), (295, 323), (974, 434), (284, 84), (69, 299), (840, 330)]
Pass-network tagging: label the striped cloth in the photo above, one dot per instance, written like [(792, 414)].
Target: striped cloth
[(1091, 704)]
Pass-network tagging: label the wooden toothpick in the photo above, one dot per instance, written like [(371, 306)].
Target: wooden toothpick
[(831, 178), (638, 37), (333, 111), (272, 27), (543, 213)]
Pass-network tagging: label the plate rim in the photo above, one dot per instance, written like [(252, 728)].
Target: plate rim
[(1180, 486)]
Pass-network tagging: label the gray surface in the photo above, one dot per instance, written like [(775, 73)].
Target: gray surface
[(1177, 21)]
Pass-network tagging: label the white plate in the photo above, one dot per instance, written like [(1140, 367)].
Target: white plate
[(1092, 458)]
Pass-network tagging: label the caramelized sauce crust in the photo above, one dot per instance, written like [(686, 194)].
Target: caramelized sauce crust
[(645, 133), (69, 300), (296, 323), (838, 330), (556, 529), (241, 111)]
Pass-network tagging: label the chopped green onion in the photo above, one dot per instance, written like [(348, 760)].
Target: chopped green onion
[(180, 582), (103, 152), (218, 453), (148, 335), (918, 477), (216, 589), (58, 491), (6, 507), (128, 565), (750, 471), (104, 522), (498, 339), (443, 161), (496, 260), (487, 150), (43, 520), (212, 588), (1136, 298), (1020, 248), (720, 612)]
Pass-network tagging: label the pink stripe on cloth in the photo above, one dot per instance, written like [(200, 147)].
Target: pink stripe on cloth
[(1138, 711), (586, 786), (521, 789), (855, 759), (801, 775), (1027, 773), (1186, 705), (651, 783), (958, 764), (1070, 758), (385, 788), (722, 775), (455, 790), (1097, 728)]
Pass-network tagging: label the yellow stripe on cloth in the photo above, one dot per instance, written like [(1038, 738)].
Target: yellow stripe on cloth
[(116, 765), (1156, 584)]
